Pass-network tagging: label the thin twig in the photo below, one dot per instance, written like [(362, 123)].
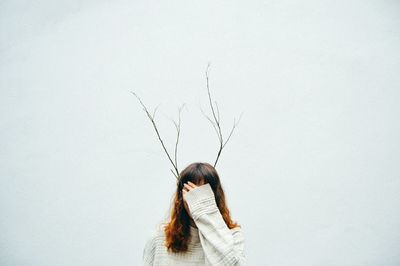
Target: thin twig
[(217, 121), (176, 173), (178, 130), (212, 122)]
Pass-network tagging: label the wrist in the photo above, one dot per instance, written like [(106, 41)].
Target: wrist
[(201, 200)]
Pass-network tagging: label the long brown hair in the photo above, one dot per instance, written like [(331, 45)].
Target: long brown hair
[(177, 230)]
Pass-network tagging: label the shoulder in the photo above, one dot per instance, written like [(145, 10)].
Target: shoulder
[(150, 247), (155, 237), (150, 244)]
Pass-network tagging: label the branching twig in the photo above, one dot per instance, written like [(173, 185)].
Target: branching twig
[(176, 173), (178, 130), (217, 121)]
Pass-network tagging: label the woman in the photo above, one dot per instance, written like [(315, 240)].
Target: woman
[(200, 230)]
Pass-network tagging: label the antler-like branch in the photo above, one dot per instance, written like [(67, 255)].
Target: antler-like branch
[(217, 121), (175, 172), (178, 131)]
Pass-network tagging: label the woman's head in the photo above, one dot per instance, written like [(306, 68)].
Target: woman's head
[(177, 231)]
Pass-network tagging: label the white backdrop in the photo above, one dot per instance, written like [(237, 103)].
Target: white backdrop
[(311, 172)]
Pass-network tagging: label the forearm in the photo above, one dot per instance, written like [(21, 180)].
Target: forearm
[(221, 245)]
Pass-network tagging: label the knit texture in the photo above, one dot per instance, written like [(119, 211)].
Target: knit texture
[(211, 243)]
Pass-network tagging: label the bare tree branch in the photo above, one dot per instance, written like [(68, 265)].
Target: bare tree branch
[(216, 105), (178, 130), (234, 125), (212, 122), (175, 171), (217, 121), (154, 113)]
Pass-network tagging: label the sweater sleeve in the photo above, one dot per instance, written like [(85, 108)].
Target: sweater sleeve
[(221, 245)]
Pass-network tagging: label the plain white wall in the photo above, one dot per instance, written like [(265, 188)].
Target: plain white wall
[(311, 172)]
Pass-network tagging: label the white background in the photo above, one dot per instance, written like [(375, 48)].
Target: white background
[(311, 172)]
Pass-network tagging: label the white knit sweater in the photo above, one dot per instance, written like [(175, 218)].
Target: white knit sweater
[(211, 243)]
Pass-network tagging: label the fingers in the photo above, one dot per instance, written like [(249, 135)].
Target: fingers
[(192, 185), (188, 186)]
